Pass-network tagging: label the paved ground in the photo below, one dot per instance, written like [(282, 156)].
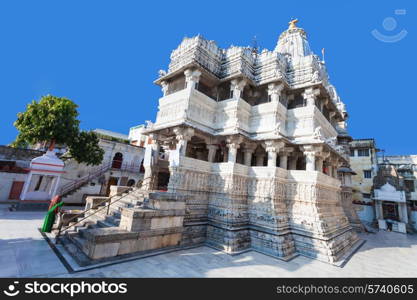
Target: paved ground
[(24, 253)]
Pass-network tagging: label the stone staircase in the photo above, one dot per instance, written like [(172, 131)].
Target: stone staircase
[(74, 239), (72, 187), (92, 237)]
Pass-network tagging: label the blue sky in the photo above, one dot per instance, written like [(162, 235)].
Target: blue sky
[(104, 55)]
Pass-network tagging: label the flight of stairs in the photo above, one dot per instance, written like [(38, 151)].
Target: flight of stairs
[(74, 239)]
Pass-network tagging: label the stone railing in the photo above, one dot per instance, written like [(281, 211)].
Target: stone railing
[(224, 117), (172, 109), (227, 116), (326, 126), (303, 121), (299, 176), (313, 177)]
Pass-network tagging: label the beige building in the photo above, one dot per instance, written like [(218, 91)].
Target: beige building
[(363, 160), (384, 187)]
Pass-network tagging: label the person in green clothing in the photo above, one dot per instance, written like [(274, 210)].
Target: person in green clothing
[(50, 215)]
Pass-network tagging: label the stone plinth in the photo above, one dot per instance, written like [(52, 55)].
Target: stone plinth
[(156, 225)]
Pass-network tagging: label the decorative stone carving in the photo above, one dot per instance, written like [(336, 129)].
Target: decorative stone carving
[(164, 86), (192, 77), (237, 86), (162, 73), (310, 95), (317, 135), (274, 91)]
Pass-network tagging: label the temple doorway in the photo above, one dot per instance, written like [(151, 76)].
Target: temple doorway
[(390, 210)]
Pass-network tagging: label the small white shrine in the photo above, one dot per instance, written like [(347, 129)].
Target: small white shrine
[(43, 179), (391, 208)]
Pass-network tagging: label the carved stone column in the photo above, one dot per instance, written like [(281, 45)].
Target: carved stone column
[(319, 163), (274, 91), (310, 96), (192, 77), (237, 86), (211, 152), (150, 178), (183, 135), (320, 157), (225, 154), (283, 157), (310, 154), (335, 167), (233, 146), (164, 87), (247, 152), (272, 148)]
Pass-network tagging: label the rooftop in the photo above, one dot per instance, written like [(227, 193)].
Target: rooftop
[(112, 134)]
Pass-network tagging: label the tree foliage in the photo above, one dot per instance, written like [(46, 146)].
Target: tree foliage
[(85, 148), (54, 120)]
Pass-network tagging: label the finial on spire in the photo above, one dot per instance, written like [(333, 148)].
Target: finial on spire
[(255, 47), (293, 23)]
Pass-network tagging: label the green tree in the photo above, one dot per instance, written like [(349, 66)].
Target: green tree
[(84, 148), (53, 120)]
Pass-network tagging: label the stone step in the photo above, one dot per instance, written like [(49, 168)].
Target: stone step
[(73, 249), (105, 223)]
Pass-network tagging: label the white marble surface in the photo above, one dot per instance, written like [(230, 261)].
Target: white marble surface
[(23, 253)]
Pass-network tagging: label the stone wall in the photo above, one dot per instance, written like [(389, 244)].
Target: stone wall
[(268, 209)]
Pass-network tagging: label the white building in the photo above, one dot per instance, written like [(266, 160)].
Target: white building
[(255, 140), (122, 165)]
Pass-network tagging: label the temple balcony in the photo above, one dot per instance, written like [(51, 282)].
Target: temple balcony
[(192, 107), (193, 166), (303, 121)]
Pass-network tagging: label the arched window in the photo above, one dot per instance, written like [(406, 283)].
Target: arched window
[(131, 182), (117, 160)]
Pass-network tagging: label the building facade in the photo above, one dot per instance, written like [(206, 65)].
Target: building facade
[(122, 165), (384, 187), (255, 141)]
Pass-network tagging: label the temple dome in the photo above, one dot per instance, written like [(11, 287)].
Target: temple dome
[(293, 41)]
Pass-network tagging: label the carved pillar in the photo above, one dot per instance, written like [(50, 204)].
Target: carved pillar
[(247, 152), (183, 135), (283, 157), (272, 148), (164, 87), (310, 96), (192, 77), (310, 154), (211, 152), (335, 166), (233, 146), (150, 178), (237, 87), (319, 163), (329, 169), (225, 154), (274, 91), (320, 157)]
